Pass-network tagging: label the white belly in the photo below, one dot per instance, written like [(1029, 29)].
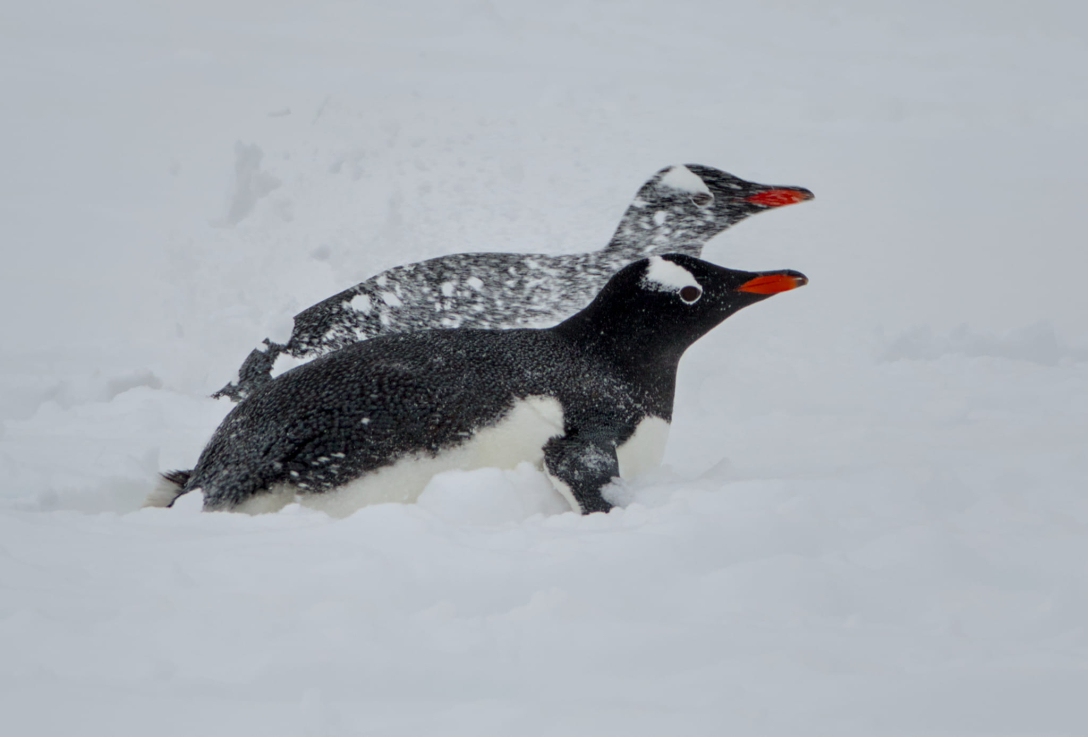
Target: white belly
[(520, 436), (645, 449)]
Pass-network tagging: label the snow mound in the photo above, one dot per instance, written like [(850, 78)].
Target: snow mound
[(492, 497)]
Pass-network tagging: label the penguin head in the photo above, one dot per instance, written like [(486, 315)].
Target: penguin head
[(741, 198), (682, 207), (659, 306)]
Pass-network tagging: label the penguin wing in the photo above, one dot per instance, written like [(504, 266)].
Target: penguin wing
[(580, 465)]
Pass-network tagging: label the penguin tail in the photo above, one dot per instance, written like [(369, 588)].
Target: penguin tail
[(171, 486)]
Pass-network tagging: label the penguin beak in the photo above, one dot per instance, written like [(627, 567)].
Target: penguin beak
[(782, 281), (780, 196)]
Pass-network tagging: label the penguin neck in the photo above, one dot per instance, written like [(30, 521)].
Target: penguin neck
[(642, 232), (645, 357)]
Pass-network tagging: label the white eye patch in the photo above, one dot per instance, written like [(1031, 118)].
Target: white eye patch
[(663, 275), (691, 295), (684, 179)]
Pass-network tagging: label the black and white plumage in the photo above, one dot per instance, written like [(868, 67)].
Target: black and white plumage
[(588, 400), (677, 211)]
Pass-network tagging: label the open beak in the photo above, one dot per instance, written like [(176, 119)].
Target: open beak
[(780, 196), (781, 281)]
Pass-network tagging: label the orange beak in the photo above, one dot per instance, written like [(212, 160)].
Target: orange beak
[(780, 197), (773, 283)]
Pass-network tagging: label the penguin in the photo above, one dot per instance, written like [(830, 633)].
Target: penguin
[(587, 400), (677, 211)]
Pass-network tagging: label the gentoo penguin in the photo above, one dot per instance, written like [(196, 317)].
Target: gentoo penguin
[(677, 211), (587, 400)]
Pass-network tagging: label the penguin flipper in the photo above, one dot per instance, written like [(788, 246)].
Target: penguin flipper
[(580, 466)]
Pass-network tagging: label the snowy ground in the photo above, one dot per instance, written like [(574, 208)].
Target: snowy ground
[(873, 519)]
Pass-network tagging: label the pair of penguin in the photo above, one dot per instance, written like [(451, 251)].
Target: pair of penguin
[(394, 396)]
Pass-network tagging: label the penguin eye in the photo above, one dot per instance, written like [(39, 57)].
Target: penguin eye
[(691, 295), (702, 199)]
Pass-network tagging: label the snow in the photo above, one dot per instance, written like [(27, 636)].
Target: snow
[(664, 275), (251, 183), (391, 299), (285, 362), (360, 302), (871, 516), (683, 178)]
